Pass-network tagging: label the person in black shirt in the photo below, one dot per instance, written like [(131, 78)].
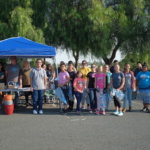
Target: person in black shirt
[(91, 89), (138, 69), (112, 67), (72, 74)]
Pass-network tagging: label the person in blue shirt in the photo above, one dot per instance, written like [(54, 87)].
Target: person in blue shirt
[(143, 84)]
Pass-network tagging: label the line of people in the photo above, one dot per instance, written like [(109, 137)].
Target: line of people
[(37, 79), (94, 85), (91, 85)]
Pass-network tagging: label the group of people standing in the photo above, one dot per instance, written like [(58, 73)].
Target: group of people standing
[(91, 85), (36, 79), (94, 85)]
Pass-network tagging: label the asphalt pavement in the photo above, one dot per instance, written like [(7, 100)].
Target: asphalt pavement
[(55, 131)]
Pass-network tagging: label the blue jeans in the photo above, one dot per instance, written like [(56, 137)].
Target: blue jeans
[(108, 98), (128, 96), (85, 97), (78, 97), (92, 97), (65, 92), (37, 99)]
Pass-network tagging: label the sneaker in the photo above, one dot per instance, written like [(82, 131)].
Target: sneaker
[(103, 112), (82, 107), (116, 112), (120, 114), (91, 111), (41, 112), (69, 109), (130, 109), (97, 112), (78, 112), (143, 109), (124, 110), (64, 111), (34, 112), (88, 108), (147, 110)]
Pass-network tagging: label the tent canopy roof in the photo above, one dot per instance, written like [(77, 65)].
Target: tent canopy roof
[(25, 48)]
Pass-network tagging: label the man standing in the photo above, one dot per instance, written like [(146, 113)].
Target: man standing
[(38, 79), (13, 74), (138, 69), (112, 70)]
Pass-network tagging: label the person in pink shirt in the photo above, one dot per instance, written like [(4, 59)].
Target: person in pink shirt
[(79, 85), (100, 84), (63, 80)]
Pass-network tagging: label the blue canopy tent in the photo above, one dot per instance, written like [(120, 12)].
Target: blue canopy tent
[(25, 48)]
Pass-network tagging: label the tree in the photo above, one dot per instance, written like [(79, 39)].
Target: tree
[(68, 25), (101, 27), (16, 20), (126, 28)]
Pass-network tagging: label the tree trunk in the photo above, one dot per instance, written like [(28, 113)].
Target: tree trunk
[(76, 57), (109, 61)]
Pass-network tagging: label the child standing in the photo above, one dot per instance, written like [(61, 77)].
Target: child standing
[(100, 84), (79, 85), (63, 81)]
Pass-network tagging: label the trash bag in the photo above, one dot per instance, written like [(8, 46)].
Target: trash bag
[(119, 95), (59, 93), (112, 93)]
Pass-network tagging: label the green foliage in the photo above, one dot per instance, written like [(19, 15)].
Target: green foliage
[(133, 58), (16, 20), (21, 24), (101, 27)]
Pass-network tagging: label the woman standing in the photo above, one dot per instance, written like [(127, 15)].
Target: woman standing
[(91, 88), (50, 74), (128, 87), (100, 84), (44, 67), (63, 80), (26, 79), (72, 74), (143, 84), (85, 97), (117, 82), (108, 77)]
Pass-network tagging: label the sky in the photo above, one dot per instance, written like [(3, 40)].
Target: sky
[(62, 55)]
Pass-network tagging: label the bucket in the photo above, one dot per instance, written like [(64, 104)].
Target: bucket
[(9, 109), (8, 97), (7, 102)]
